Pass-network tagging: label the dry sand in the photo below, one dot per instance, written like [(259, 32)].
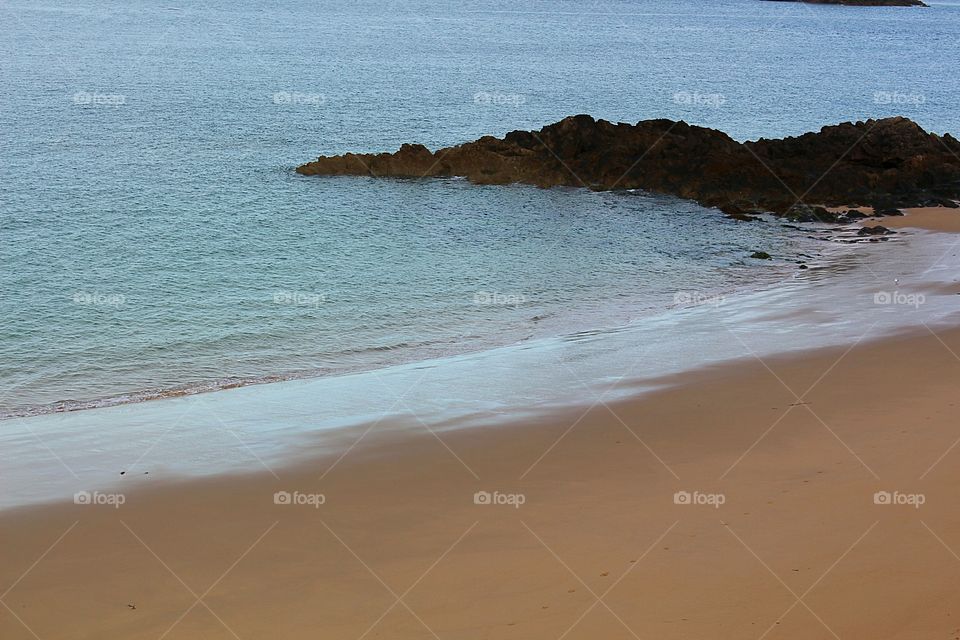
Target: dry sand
[(598, 549)]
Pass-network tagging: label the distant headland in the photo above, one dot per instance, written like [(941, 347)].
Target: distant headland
[(884, 163), (864, 3)]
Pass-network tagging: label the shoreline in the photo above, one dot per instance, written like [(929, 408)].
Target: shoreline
[(536, 320), (248, 428), (797, 478), (940, 219)]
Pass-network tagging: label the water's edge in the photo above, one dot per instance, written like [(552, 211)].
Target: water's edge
[(862, 294)]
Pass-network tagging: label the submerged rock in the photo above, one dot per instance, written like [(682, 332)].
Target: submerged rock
[(892, 161)]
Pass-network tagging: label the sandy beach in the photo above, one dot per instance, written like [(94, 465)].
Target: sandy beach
[(480, 320), (809, 496)]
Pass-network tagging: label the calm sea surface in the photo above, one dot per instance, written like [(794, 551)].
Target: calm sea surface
[(154, 238)]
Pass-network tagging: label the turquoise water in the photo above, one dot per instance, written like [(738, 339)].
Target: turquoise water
[(154, 238), (265, 427)]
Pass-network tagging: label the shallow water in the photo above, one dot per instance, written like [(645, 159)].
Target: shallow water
[(860, 293), (155, 239)]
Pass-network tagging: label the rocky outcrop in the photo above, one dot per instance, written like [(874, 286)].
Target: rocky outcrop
[(881, 163)]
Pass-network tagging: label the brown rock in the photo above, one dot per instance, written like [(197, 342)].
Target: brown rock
[(891, 160)]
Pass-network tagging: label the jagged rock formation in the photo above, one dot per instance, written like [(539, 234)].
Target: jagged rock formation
[(884, 163)]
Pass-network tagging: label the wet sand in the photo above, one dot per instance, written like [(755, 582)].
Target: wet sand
[(942, 219), (931, 218), (784, 457)]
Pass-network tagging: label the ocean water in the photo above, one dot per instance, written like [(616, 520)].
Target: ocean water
[(154, 239)]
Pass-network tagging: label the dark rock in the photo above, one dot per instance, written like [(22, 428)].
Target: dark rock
[(742, 217), (874, 231), (807, 213), (890, 161), (936, 201), (740, 207), (761, 255), (852, 216), (881, 213), (742, 210)]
